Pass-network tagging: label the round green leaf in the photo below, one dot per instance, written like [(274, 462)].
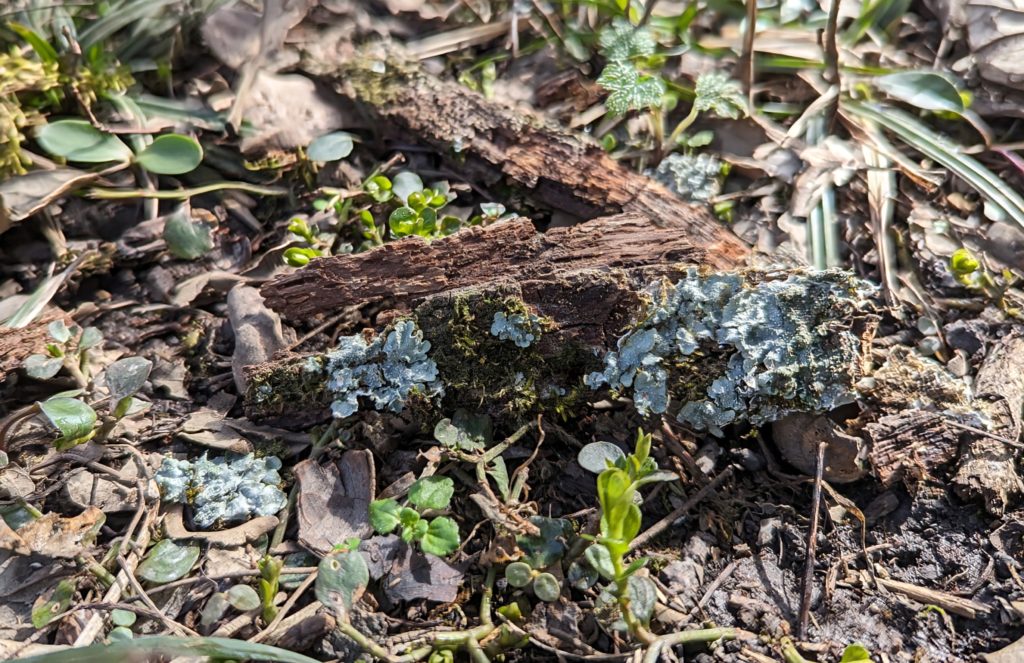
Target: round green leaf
[(643, 594), (601, 560), (855, 653), (121, 617), (120, 634), (168, 561), (214, 609), (330, 147), (596, 456), (171, 154), (77, 140), (243, 598), (442, 537), (186, 239), (73, 418), (126, 376), (432, 492), (405, 183), (59, 331), (403, 221), (546, 587), (341, 579), (581, 576), (518, 574), (42, 367)]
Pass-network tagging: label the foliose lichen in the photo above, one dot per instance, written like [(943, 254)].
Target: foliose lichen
[(385, 370), (695, 177), (229, 489), (779, 352), (520, 328)]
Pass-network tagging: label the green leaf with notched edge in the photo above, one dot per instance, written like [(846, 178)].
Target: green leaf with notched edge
[(341, 579), (384, 515), (432, 492), (442, 537), (630, 90), (621, 41)]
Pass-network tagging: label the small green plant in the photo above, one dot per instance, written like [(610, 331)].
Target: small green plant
[(617, 490), (77, 140), (545, 585), (419, 215), (270, 578), (69, 350), (437, 536), (969, 272)]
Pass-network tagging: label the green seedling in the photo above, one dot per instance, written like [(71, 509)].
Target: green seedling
[(270, 578), (437, 536), (617, 491), (969, 272), (79, 141), (420, 214), (298, 256), (545, 585), (69, 350)]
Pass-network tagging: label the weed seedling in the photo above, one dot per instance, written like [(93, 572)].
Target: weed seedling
[(437, 536)]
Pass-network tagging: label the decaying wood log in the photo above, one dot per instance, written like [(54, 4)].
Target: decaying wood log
[(17, 344), (911, 446), (411, 269), (491, 143)]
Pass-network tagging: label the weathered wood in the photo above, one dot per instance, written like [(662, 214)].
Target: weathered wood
[(492, 143), (411, 269), (911, 446), (17, 344)]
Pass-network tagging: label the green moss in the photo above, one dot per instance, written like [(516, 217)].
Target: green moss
[(277, 390)]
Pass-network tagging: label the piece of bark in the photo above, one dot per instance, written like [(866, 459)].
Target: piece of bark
[(491, 143), (258, 331), (910, 446), (411, 269), (797, 436), (988, 466)]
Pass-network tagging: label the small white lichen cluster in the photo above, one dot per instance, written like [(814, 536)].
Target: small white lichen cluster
[(229, 489), (695, 177), (785, 357), (521, 329), (385, 370)]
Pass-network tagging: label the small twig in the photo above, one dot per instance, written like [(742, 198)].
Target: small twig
[(181, 194), (812, 536), (666, 522), (747, 58)]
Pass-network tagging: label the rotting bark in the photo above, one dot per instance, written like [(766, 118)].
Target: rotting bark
[(17, 344), (493, 144), (411, 269)]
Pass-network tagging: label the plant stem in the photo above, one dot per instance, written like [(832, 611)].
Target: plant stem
[(181, 194), (683, 125), (687, 637)]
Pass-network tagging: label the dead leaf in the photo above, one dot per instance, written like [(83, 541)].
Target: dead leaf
[(797, 436), (247, 532), (288, 111), (334, 500), (408, 574), (24, 195), (54, 535)]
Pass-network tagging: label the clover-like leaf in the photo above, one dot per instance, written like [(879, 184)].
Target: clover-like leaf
[(441, 538), (384, 515), (432, 492), (341, 579), (72, 417), (330, 147), (719, 94), (126, 376), (168, 561), (630, 90), (547, 587), (518, 574), (77, 140), (171, 154), (622, 40), (42, 367), (44, 610), (187, 239)]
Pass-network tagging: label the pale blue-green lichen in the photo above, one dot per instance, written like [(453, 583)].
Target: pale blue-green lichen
[(783, 351), (520, 328), (695, 177), (385, 371), (228, 489)]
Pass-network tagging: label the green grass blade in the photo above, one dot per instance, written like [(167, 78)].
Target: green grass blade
[(144, 649), (917, 135)]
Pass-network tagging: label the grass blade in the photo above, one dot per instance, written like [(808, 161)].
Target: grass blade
[(144, 649)]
